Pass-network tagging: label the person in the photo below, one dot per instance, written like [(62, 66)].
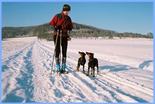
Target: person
[(62, 24)]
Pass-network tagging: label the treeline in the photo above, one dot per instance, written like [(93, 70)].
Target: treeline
[(45, 32), (11, 32)]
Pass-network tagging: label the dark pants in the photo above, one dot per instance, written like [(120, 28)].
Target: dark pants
[(63, 46)]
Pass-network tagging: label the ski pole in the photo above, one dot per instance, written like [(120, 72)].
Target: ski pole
[(60, 47), (54, 50)]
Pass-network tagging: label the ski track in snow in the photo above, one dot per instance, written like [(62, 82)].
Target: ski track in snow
[(26, 78)]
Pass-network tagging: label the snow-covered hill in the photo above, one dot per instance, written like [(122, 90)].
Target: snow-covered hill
[(126, 71)]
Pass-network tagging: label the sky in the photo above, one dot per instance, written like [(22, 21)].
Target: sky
[(134, 17)]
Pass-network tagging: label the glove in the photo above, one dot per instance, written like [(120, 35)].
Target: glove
[(68, 38), (59, 27)]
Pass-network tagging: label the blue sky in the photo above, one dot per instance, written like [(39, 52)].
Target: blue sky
[(117, 16)]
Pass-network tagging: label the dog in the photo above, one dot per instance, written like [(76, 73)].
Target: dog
[(81, 61), (92, 63)]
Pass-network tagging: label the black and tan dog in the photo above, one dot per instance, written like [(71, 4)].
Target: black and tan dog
[(93, 62), (81, 61)]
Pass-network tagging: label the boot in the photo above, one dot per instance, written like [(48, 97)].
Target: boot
[(57, 64), (63, 67)]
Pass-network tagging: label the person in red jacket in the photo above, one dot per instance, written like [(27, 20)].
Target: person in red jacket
[(62, 24)]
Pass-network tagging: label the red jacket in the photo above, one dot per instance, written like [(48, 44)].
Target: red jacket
[(59, 19)]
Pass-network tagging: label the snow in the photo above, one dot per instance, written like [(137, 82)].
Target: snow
[(126, 71)]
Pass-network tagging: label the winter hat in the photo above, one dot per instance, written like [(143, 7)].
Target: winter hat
[(66, 7)]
